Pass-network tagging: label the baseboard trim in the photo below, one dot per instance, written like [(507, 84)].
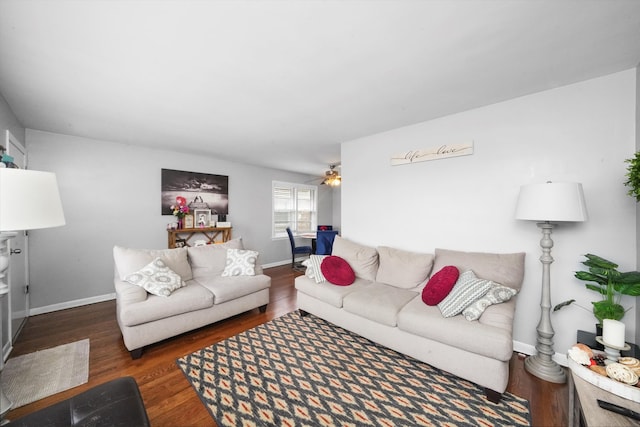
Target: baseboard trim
[(279, 263), (276, 264), (108, 297), (71, 304)]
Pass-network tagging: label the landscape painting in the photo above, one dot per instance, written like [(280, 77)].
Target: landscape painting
[(202, 191)]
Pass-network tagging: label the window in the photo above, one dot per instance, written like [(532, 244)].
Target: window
[(294, 206)]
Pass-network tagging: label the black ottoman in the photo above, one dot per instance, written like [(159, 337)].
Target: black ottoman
[(116, 403)]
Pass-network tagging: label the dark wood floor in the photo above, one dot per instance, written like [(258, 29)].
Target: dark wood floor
[(168, 397)]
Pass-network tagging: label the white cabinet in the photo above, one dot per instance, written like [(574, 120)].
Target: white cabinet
[(15, 305)]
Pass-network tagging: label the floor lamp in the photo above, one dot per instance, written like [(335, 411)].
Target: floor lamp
[(547, 203), (28, 200)]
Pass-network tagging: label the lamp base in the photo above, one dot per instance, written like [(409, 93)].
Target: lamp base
[(547, 370)]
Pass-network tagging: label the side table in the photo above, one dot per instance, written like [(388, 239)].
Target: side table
[(585, 412), (583, 405)]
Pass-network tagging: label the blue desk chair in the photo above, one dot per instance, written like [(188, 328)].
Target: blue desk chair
[(324, 241), (297, 250)]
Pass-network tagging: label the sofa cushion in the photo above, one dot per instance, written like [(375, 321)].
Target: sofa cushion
[(337, 271), (240, 262), (313, 270), (506, 269), (126, 293), (210, 260), (229, 288), (499, 315), (188, 298), (156, 278), (362, 259), (378, 302), (468, 288), (496, 295), (326, 292), (426, 321), (403, 269), (129, 260), (440, 285)]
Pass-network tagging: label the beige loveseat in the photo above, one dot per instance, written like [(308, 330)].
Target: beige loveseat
[(385, 305), (205, 298)]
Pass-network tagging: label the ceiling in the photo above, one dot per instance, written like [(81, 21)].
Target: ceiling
[(282, 83)]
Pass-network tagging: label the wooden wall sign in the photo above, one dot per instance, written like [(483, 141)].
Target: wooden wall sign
[(441, 152)]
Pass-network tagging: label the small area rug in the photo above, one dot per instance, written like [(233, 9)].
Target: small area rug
[(297, 371), (33, 376)]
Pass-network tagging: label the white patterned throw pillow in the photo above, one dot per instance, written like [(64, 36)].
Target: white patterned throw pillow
[(240, 262), (313, 268), (156, 278), (467, 289), (496, 295)]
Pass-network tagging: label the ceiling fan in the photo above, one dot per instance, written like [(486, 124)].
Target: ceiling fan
[(332, 177)]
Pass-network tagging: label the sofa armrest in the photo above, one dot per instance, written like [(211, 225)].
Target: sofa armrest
[(127, 293), (500, 315)]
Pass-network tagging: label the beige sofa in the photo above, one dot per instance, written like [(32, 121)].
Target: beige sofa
[(385, 305), (205, 298)]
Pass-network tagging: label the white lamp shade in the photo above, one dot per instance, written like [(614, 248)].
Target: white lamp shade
[(29, 200), (552, 201)]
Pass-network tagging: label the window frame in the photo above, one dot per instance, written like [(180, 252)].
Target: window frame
[(277, 232)]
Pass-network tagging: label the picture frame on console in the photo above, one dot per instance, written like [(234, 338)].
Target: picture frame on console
[(201, 218)]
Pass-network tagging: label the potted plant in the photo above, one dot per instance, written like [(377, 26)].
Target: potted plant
[(633, 176), (604, 278)]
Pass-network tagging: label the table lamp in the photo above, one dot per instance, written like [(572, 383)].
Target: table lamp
[(547, 203), (28, 200)]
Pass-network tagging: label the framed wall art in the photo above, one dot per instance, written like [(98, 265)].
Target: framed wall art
[(201, 190), (443, 151)]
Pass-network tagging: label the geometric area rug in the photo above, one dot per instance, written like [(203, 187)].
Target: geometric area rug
[(36, 375), (295, 371)]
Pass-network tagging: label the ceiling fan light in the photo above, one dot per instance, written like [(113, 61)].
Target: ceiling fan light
[(332, 178), (333, 181)]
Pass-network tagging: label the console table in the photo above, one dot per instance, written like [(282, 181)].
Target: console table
[(210, 234)]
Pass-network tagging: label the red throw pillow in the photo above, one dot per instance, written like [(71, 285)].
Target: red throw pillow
[(440, 284), (337, 271)]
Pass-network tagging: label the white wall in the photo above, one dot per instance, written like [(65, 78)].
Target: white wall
[(337, 208), (581, 133), (111, 196), (8, 121)]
